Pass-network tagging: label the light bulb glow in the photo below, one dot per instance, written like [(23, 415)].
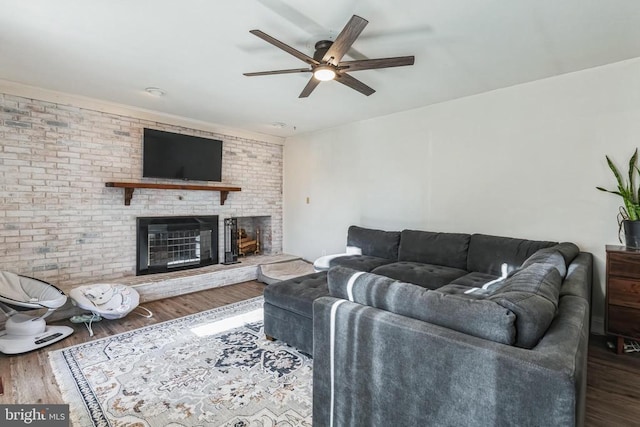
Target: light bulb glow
[(324, 74)]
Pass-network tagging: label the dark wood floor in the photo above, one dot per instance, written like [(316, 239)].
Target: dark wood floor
[(613, 390), (613, 394), (28, 378)]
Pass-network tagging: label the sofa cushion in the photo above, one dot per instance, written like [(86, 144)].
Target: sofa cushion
[(568, 250), (376, 243), (478, 317), (341, 282), (560, 256), (426, 275), (359, 262), (297, 294), (464, 291), (488, 253), (532, 295), (474, 279), (448, 249)]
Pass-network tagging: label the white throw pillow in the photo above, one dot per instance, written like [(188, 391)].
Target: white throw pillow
[(354, 250)]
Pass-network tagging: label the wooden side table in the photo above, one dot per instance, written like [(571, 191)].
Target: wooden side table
[(623, 294)]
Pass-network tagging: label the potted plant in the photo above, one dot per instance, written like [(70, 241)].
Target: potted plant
[(629, 215)]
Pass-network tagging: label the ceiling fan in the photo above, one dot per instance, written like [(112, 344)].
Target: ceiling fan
[(327, 63)]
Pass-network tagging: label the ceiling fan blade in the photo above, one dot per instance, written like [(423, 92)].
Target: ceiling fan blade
[(345, 39), (268, 73), (277, 43), (313, 82), (369, 64), (353, 83)]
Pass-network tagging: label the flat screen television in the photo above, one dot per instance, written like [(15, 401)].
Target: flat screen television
[(176, 156)]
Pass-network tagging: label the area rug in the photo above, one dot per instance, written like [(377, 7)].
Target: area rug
[(213, 368)]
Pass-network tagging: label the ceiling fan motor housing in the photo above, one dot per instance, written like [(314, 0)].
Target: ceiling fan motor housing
[(321, 49)]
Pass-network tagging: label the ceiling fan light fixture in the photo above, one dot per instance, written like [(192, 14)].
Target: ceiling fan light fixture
[(324, 73)]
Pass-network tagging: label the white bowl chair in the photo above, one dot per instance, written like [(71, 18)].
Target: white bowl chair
[(107, 300), (22, 332)]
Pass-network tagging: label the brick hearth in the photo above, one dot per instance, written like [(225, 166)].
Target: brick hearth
[(165, 285)]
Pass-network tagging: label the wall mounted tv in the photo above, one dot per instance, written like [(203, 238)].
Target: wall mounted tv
[(175, 156)]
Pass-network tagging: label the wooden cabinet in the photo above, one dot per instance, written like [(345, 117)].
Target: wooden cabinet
[(623, 294)]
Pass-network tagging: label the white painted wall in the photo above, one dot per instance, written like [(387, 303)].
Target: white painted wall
[(522, 162)]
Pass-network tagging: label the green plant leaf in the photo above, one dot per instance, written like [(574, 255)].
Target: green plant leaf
[(609, 191), (638, 193), (628, 190), (632, 168), (616, 173)]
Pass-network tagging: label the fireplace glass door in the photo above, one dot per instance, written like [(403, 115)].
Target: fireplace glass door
[(176, 243)]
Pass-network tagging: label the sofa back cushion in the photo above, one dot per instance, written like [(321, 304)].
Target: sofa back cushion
[(480, 318), (376, 243), (560, 256), (532, 294), (488, 253), (447, 249), (517, 312)]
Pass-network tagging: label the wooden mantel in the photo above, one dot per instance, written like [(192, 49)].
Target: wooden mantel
[(129, 187)]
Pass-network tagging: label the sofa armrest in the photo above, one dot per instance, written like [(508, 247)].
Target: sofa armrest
[(324, 262), (373, 367)]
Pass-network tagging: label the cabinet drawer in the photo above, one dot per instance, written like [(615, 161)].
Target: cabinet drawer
[(624, 292), (625, 265), (623, 321)]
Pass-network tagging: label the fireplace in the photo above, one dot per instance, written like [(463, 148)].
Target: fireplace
[(176, 243), (254, 235), (244, 236)]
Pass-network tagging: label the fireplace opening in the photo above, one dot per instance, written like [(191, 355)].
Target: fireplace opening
[(254, 235), (246, 236), (176, 243)]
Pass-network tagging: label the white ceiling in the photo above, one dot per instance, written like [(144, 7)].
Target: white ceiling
[(197, 50)]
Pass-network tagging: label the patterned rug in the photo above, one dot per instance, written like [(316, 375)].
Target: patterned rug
[(213, 368)]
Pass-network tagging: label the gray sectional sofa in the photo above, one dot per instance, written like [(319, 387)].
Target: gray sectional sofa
[(428, 328)]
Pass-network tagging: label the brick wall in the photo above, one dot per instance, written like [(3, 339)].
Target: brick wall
[(58, 221)]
